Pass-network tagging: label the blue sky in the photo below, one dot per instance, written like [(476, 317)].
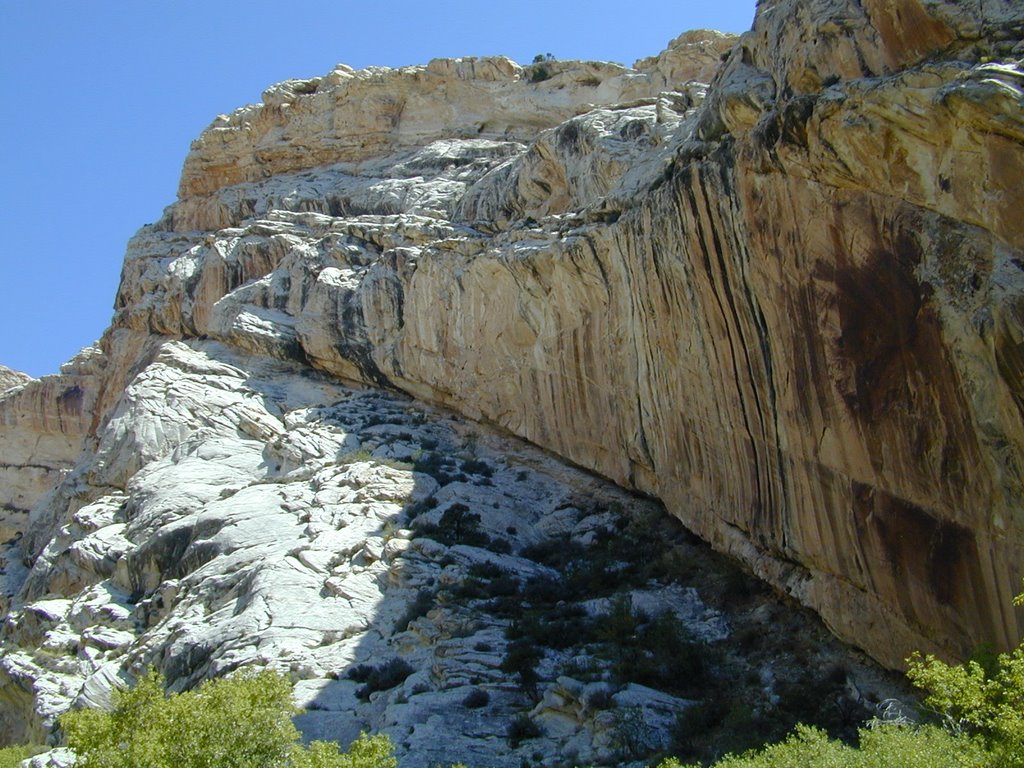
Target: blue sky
[(101, 100)]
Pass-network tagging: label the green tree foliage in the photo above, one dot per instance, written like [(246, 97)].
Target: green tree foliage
[(971, 700), (983, 699), (239, 722), (365, 752), (888, 746)]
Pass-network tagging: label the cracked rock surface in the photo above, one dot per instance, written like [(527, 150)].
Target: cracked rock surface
[(242, 511)]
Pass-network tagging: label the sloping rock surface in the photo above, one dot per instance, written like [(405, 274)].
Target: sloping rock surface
[(399, 565)]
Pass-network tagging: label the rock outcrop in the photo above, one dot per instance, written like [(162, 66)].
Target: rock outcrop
[(791, 310), (789, 304), (43, 424), (243, 511), (9, 379)]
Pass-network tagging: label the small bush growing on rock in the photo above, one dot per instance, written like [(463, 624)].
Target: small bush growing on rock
[(461, 526), (546, 590), (238, 722), (457, 526), (620, 625), (359, 454), (438, 466), (500, 546), (488, 579), (382, 678), (424, 505), (477, 467), (486, 570), (819, 698), (521, 729), (360, 673), (521, 659), (600, 699), (476, 698), (505, 585), (555, 553)]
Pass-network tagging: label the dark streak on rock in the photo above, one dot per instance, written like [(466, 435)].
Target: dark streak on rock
[(920, 552), (71, 399), (885, 334)]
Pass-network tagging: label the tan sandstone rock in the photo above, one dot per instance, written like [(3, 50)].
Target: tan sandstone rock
[(790, 304), (793, 313), (43, 424)]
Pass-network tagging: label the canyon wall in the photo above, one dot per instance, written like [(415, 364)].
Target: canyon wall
[(789, 304)]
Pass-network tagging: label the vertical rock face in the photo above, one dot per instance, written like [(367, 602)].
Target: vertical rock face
[(789, 304), (792, 311), (43, 424)]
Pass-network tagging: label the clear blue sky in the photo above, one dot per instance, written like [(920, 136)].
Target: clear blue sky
[(101, 100)]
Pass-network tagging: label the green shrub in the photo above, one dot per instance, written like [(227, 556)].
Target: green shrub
[(460, 526), (421, 506), (969, 700), (11, 757), (521, 659), (476, 698), (382, 678), (441, 468), (239, 722), (365, 752), (457, 526), (477, 467), (888, 746), (231, 723), (546, 590), (656, 653), (521, 729)]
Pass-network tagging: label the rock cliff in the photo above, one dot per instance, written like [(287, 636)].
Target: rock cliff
[(790, 310), (43, 426), (789, 304), (240, 510)]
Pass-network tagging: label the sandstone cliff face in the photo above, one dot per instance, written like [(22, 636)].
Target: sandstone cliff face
[(789, 304), (43, 424), (793, 312)]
